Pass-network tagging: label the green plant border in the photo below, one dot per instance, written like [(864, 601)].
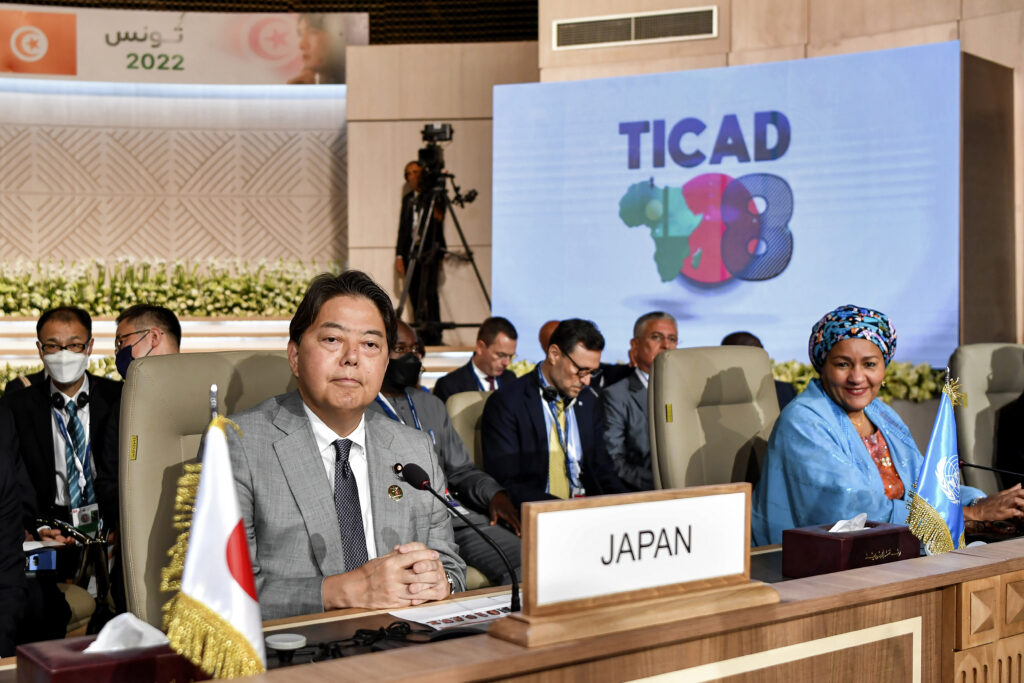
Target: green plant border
[(903, 381), (190, 289)]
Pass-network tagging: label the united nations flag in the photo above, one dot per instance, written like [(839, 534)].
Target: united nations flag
[(936, 516)]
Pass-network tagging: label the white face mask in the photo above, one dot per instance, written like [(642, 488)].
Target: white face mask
[(65, 366)]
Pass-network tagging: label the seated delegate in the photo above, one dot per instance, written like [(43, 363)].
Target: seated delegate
[(838, 450)]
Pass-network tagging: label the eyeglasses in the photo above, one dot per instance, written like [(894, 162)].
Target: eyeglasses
[(504, 356), (50, 347), (583, 373), (120, 339)]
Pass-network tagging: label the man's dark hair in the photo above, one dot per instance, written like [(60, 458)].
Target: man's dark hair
[(326, 286), (574, 331), (156, 316), (65, 314), (741, 339), (492, 327)]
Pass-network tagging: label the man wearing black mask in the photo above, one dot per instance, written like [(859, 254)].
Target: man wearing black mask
[(479, 496)]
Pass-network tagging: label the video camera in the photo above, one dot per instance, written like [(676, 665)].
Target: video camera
[(431, 157)]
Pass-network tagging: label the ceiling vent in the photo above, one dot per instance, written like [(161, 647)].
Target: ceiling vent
[(693, 23)]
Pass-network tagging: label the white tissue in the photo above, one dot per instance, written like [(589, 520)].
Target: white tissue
[(126, 632), (855, 524)]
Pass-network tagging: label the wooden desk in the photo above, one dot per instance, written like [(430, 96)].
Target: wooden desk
[(926, 619)]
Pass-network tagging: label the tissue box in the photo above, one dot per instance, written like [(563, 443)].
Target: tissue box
[(813, 550), (62, 661)]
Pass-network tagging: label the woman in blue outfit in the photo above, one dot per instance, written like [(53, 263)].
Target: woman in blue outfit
[(838, 450)]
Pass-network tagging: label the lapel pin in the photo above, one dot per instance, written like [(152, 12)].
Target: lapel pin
[(397, 468), (395, 491)]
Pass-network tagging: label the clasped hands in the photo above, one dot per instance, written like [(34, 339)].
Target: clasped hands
[(410, 574)]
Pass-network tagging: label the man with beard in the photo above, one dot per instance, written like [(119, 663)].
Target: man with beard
[(542, 437)]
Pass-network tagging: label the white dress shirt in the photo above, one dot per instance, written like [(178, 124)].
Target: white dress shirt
[(325, 438), (59, 456)]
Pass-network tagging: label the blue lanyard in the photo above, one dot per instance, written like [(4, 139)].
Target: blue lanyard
[(563, 436), (390, 412), (84, 471)]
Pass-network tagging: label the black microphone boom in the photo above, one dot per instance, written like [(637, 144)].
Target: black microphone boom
[(964, 463), (415, 475)]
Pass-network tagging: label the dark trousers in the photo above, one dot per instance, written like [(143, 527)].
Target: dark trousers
[(423, 296)]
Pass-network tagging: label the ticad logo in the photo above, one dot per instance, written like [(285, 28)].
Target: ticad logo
[(715, 228), (29, 44)]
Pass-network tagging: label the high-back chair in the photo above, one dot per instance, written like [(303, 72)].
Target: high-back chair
[(991, 375), (465, 410), (710, 410), (165, 408)]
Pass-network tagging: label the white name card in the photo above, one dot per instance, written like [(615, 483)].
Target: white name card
[(610, 545)]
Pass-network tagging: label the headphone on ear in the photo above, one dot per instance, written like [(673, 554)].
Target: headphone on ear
[(57, 399)]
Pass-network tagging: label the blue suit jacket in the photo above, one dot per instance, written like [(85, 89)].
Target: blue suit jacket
[(464, 379), (515, 442)]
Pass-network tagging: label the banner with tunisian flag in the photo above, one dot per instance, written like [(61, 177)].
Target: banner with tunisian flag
[(144, 46), (214, 620)]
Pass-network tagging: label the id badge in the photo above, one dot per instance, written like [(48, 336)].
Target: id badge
[(454, 503), (86, 519)]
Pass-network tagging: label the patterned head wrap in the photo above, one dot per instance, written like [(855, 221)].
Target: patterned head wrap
[(851, 322)]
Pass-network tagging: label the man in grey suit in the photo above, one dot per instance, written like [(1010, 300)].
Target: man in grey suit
[(626, 434), (473, 491), (330, 522)]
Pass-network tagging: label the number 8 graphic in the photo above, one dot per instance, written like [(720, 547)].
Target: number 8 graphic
[(757, 246)]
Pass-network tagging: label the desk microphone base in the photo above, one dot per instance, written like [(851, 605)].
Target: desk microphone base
[(535, 631)]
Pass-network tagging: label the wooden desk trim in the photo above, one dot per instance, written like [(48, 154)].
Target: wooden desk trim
[(484, 657)]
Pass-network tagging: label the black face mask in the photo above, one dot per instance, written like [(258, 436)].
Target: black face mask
[(403, 372)]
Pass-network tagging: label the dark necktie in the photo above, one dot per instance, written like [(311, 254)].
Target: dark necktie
[(346, 503), (490, 383)]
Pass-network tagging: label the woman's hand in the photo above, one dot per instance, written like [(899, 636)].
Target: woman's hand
[(1006, 504)]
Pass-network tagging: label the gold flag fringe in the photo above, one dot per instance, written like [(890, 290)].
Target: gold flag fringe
[(209, 641), (929, 527), (184, 504), (956, 397)]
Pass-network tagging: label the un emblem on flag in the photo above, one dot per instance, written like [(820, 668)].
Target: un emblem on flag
[(947, 471)]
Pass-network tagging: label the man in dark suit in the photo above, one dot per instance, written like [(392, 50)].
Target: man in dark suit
[(424, 283), (624, 403), (488, 369), (542, 437), (13, 595), (61, 423)]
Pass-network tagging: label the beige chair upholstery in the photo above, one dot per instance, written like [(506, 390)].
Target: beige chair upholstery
[(465, 410), (991, 375), (710, 411), (165, 408)]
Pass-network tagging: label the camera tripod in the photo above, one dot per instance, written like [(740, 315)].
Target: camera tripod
[(436, 198)]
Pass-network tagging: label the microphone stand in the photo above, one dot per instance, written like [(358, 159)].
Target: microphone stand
[(424, 485)]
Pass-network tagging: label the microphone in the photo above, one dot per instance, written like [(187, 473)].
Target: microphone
[(415, 475), (992, 469)]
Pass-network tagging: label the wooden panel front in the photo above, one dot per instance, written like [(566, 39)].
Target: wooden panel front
[(978, 612), (998, 662), (1011, 588), (895, 640)]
